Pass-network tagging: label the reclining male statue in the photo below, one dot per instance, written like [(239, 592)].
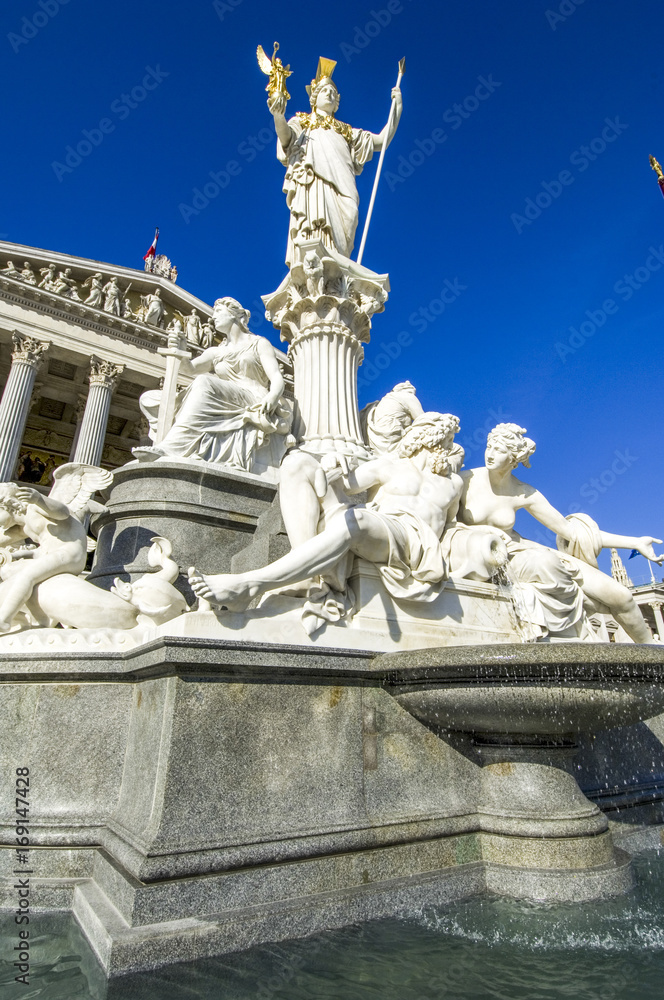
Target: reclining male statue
[(399, 530)]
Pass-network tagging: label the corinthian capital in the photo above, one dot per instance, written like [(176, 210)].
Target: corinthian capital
[(104, 372), (29, 350)]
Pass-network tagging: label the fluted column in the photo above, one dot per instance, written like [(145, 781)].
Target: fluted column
[(27, 356), (104, 376), (323, 309), (325, 358), (657, 608)]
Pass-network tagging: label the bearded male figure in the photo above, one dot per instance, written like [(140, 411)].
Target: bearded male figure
[(399, 530), (323, 157)]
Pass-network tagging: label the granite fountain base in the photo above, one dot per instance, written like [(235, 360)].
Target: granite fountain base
[(191, 797)]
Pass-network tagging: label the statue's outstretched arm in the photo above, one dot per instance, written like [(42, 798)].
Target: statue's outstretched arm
[(643, 544), (540, 508)]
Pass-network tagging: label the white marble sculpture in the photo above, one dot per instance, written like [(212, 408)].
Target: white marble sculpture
[(415, 496), (553, 585), (207, 334), (234, 412), (385, 421), (11, 272), (193, 328), (65, 285), (153, 308), (112, 297), (41, 583), (49, 278), (322, 157), (27, 274), (96, 284)]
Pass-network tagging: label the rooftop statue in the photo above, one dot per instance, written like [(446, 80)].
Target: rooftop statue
[(322, 156)]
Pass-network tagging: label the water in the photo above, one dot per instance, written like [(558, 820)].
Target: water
[(483, 949)]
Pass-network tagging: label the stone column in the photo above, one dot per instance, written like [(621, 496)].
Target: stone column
[(323, 308), (104, 376), (27, 356), (659, 620), (78, 417)]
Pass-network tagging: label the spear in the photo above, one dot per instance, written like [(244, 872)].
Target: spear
[(402, 70)]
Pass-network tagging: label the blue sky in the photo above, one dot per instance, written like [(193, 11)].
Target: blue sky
[(522, 229)]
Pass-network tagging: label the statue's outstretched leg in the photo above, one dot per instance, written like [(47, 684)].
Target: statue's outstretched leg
[(356, 530)]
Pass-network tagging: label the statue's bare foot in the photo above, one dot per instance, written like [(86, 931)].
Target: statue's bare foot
[(5, 626), (223, 590)]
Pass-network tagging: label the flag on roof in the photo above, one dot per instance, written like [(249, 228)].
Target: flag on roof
[(153, 247)]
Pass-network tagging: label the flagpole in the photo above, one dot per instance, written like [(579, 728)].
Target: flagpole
[(402, 70)]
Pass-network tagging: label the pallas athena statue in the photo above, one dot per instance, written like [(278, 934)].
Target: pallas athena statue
[(322, 156)]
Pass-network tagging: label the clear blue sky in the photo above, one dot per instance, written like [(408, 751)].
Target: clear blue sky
[(568, 108)]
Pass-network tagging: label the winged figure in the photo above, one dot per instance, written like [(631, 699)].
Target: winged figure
[(275, 69), (74, 485), (41, 584)]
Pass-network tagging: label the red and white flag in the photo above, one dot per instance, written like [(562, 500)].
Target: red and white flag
[(153, 248)]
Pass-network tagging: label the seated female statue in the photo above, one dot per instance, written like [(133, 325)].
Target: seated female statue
[(557, 581), (233, 413)]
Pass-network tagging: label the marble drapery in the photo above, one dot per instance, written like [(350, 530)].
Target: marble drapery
[(322, 163)]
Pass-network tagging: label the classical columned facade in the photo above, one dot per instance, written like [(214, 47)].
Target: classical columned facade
[(28, 355), (81, 308), (103, 380)]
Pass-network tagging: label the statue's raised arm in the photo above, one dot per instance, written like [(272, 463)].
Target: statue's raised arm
[(322, 156)]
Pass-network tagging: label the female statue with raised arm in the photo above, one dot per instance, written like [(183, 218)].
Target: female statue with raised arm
[(235, 404), (322, 157), (492, 495)]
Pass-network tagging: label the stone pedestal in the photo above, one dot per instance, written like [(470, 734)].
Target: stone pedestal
[(104, 376), (207, 513), (245, 793), (27, 356), (323, 309)]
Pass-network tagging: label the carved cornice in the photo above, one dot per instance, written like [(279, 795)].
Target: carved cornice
[(28, 350), (104, 373)]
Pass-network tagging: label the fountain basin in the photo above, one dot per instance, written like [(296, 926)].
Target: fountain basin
[(518, 711), (536, 689)]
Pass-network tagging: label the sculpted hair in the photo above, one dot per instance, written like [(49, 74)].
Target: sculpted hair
[(432, 432), (8, 499), (237, 311), (315, 91), (513, 439)]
